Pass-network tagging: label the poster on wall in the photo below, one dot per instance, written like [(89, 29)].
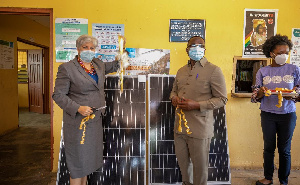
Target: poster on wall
[(6, 55), (259, 25), (107, 35), (67, 30), (181, 30), (295, 53), (148, 61)]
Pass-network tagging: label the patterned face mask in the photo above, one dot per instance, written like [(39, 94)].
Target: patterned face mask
[(196, 53)]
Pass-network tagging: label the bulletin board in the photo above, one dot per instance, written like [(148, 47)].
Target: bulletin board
[(183, 29), (6, 55)]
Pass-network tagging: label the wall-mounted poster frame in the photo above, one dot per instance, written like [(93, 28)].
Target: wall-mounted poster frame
[(295, 54), (181, 30), (107, 36), (6, 55), (259, 25)]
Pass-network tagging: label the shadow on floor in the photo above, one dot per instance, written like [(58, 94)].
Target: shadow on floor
[(25, 153)]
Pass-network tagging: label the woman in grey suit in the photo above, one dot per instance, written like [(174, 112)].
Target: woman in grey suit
[(79, 87)]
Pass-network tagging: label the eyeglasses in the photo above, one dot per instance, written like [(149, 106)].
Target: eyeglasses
[(196, 45)]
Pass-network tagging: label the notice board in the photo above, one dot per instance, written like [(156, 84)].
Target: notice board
[(183, 29)]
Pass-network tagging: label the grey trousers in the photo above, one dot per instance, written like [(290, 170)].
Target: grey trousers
[(193, 150)]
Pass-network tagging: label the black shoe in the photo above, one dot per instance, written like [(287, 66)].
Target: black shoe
[(259, 183)]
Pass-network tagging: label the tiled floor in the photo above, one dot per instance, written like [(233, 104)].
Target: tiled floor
[(25, 152), (25, 156), (250, 176)]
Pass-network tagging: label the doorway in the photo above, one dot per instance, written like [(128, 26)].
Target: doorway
[(37, 67), (48, 53)]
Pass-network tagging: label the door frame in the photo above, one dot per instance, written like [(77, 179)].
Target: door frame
[(49, 87)]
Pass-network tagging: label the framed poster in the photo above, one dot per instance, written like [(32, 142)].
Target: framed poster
[(144, 61), (6, 55), (181, 30), (259, 25), (67, 30), (295, 53), (107, 36)]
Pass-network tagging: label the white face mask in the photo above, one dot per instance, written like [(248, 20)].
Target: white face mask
[(281, 59)]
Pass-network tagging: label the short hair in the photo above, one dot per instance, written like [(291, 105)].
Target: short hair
[(85, 39), (274, 41), (195, 37)]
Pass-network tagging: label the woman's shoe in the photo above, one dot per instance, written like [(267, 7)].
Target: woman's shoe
[(259, 183)]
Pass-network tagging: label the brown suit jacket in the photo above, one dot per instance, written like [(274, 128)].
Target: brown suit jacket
[(205, 84)]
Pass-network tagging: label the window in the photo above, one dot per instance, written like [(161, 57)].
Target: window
[(22, 66)]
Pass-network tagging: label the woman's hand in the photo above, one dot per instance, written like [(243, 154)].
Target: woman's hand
[(263, 89), (261, 92), (85, 110)]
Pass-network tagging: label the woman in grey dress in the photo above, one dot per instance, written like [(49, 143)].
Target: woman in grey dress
[(79, 87)]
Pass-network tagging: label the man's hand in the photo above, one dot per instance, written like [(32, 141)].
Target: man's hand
[(175, 100), (188, 104)]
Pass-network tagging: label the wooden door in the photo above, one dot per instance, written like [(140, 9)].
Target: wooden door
[(35, 80)]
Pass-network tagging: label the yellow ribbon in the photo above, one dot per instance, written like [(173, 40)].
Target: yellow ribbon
[(280, 98), (268, 93), (121, 71), (92, 116), (182, 117)]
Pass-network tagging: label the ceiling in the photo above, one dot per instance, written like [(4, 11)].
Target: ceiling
[(43, 20)]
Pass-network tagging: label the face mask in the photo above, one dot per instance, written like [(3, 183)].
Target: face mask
[(281, 59), (196, 53), (87, 55)]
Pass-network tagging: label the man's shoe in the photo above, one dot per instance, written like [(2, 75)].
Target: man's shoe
[(259, 183)]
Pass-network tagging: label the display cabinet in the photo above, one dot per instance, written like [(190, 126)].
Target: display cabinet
[(244, 75)]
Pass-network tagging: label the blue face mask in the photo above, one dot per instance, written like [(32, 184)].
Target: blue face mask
[(196, 53), (87, 55)]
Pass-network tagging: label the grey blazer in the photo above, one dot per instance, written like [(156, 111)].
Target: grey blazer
[(74, 88)]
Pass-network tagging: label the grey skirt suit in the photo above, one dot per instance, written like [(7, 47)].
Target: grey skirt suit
[(75, 88)]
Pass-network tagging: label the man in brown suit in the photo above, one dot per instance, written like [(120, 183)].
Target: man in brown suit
[(199, 88)]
